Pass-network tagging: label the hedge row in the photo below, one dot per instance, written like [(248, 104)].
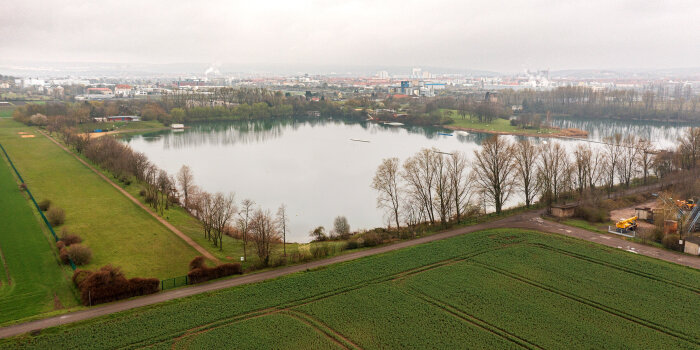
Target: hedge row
[(109, 284)]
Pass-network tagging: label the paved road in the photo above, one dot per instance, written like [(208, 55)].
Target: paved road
[(529, 220), (172, 228)]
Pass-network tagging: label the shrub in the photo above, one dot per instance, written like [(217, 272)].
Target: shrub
[(60, 245), (353, 244), (670, 241), (63, 255), (320, 250), (142, 193), (80, 254), (69, 239), (56, 216), (79, 276), (204, 273), (371, 239), (591, 213), (44, 205), (109, 284), (197, 263)]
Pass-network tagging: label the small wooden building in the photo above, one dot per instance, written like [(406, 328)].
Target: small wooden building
[(563, 210), (692, 245)]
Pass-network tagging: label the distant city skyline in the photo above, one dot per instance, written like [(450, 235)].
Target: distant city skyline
[(498, 36)]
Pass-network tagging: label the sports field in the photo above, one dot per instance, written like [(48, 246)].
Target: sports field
[(31, 279), (117, 230), (492, 289)]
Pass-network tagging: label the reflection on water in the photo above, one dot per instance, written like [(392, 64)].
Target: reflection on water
[(312, 165), (662, 134), (244, 132)]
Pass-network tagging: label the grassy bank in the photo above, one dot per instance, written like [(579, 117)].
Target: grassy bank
[(502, 288), (32, 281), (117, 230)]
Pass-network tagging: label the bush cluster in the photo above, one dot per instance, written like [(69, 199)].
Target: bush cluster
[(591, 213), (56, 216), (670, 241), (109, 284), (44, 205), (200, 272)]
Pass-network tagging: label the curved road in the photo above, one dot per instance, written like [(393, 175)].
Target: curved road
[(528, 220)]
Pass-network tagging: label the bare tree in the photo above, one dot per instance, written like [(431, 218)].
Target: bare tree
[(689, 148), (582, 164), (442, 190), (552, 170), (386, 183), (185, 179), (460, 181), (525, 160), (341, 227), (244, 217), (613, 145), (283, 221), (163, 185), (207, 212), (492, 171), (419, 174), (627, 160), (264, 232), (646, 157), (224, 211)]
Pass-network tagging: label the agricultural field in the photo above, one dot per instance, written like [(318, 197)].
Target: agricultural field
[(32, 281), (117, 230), (502, 288)]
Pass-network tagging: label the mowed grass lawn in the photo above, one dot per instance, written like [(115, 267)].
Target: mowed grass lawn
[(32, 281), (497, 125), (503, 288), (232, 248), (117, 230)]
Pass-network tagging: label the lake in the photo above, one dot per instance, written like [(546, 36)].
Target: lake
[(312, 166)]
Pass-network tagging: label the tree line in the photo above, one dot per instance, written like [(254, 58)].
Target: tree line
[(433, 186)]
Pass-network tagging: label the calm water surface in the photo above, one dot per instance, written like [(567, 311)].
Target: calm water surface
[(312, 166)]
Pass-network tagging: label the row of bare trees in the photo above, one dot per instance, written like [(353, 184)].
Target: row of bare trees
[(430, 186), (221, 215), (433, 185)]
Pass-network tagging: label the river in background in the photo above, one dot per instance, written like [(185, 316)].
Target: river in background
[(313, 166)]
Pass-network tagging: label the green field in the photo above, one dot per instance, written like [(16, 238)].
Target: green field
[(32, 281), (121, 126), (117, 230), (497, 125), (501, 288)]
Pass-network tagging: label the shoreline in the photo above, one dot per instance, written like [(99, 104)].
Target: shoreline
[(574, 133)]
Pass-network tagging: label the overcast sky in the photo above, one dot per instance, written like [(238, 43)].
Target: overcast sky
[(488, 34)]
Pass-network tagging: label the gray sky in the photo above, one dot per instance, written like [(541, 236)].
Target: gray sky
[(488, 34)]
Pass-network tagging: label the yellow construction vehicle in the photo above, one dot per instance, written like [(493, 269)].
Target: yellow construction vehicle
[(627, 224), (686, 205)]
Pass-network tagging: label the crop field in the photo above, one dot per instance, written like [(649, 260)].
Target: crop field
[(117, 230), (31, 279), (501, 288)]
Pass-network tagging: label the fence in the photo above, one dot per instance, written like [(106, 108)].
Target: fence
[(26, 189), (174, 282)]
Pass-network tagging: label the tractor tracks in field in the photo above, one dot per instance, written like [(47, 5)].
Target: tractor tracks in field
[(618, 267), (6, 268), (591, 303), (289, 306), (471, 319)]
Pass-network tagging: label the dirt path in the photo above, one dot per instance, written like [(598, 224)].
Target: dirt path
[(172, 228), (529, 220)]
